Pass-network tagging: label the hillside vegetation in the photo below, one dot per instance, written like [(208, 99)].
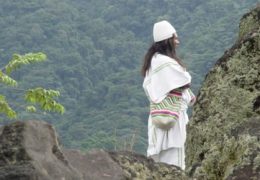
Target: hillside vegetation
[(95, 50)]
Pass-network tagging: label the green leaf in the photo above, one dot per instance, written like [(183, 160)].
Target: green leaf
[(19, 60), (6, 109), (7, 80), (31, 109), (44, 98)]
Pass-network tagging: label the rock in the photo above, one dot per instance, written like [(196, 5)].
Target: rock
[(249, 22), (96, 164), (102, 165), (30, 150), (223, 133), (139, 167), (249, 168)]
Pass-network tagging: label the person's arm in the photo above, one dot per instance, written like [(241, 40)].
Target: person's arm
[(185, 86), (180, 89), (193, 97)]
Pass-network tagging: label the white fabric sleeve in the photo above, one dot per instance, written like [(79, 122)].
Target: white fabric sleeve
[(163, 79)]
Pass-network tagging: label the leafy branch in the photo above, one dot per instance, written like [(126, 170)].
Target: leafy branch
[(5, 79), (19, 60), (43, 97), (6, 109)]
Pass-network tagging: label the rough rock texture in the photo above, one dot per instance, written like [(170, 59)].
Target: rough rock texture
[(224, 132), (30, 150), (138, 167), (96, 164), (249, 22), (102, 165)]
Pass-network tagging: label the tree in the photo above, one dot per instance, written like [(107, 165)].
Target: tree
[(38, 96)]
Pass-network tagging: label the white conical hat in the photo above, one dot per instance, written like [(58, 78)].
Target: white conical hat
[(162, 30)]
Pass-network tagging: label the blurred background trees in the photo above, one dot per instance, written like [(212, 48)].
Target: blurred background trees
[(95, 50)]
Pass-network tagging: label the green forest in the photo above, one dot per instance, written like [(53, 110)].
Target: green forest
[(95, 49)]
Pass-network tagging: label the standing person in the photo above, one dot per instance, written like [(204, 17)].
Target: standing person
[(166, 77)]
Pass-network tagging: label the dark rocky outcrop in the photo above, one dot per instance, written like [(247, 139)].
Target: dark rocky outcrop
[(139, 167), (30, 150), (223, 135)]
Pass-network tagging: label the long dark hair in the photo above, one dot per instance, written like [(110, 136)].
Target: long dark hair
[(165, 47)]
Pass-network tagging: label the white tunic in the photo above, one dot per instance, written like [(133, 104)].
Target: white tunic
[(165, 75), (159, 139)]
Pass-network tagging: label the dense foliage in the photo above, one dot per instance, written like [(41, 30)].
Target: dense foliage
[(95, 51)]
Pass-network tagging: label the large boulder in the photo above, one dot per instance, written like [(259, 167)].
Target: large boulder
[(30, 150), (95, 164), (102, 165), (223, 133)]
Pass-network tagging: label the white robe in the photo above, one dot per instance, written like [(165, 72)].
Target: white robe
[(168, 146), (165, 75)]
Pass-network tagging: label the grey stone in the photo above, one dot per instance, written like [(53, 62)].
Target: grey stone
[(223, 133), (30, 150)]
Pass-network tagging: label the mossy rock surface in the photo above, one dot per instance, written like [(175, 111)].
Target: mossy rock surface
[(137, 167), (249, 22), (30, 150), (223, 133)]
